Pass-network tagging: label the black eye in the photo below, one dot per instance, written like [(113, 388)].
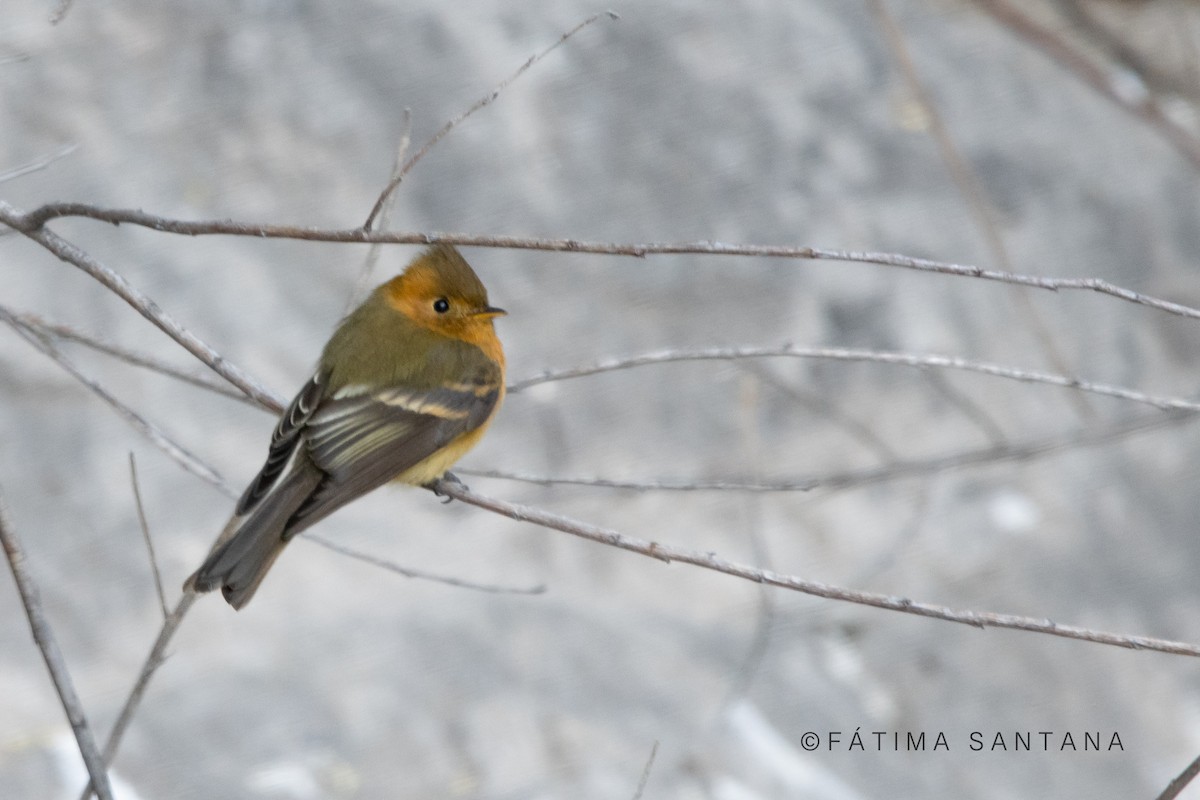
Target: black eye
[(441, 305)]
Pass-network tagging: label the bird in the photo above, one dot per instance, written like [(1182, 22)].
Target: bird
[(406, 385)]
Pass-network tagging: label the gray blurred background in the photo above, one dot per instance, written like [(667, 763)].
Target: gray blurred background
[(765, 122)]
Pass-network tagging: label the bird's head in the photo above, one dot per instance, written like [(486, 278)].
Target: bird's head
[(440, 292)]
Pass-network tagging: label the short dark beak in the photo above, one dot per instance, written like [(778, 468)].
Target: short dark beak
[(490, 311)]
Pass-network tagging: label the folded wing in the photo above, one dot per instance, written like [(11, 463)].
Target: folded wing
[(329, 449), (361, 441)]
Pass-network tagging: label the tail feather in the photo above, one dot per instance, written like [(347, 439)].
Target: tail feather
[(251, 542)]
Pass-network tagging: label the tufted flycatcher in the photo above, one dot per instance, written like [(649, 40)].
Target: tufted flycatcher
[(407, 384)]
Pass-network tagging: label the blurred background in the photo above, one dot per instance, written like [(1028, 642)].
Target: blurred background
[(774, 123)]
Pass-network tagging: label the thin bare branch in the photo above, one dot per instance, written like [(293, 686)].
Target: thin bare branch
[(30, 223), (43, 636), (887, 556), (710, 561), (848, 354), (819, 404), (854, 479), (407, 572), (970, 187), (68, 252), (1140, 105), (967, 407), (155, 659), (364, 276), (641, 485), (192, 464), (39, 164), (1084, 20), (171, 624), (744, 674), (175, 451), (486, 100), (1175, 787), (70, 334), (141, 512), (641, 787)]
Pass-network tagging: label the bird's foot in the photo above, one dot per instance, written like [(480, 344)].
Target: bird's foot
[(435, 486)]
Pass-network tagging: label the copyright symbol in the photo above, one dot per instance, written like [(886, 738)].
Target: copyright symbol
[(810, 741)]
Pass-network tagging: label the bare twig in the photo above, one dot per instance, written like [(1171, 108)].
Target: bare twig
[(158, 654), (141, 512), (1181, 781), (641, 787), (30, 223), (755, 654), (391, 566), (967, 407), (43, 636), (970, 187), (175, 451), (1142, 106), (171, 624), (144, 306), (642, 485), (1083, 19), (887, 556), (368, 267), (854, 479), (711, 561), (847, 354), (39, 164), (486, 100), (67, 333), (829, 410)]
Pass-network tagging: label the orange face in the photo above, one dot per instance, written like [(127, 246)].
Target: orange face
[(441, 293)]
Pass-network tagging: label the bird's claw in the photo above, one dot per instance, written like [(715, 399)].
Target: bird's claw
[(449, 477)]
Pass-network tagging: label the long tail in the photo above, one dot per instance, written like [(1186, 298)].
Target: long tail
[(251, 542)]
